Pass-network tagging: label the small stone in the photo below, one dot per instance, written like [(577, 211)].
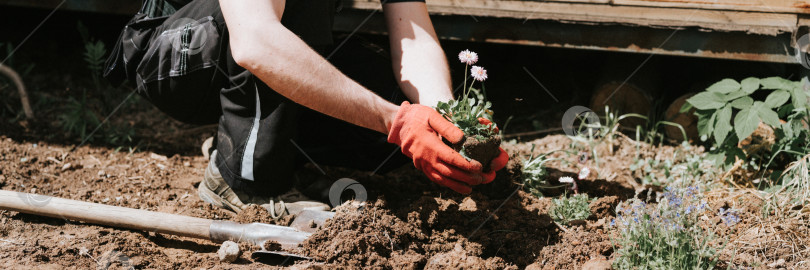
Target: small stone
[(158, 157), (599, 263), (229, 252), (23, 160), (187, 164), (67, 166)]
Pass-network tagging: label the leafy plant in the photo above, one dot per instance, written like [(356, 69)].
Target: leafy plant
[(728, 113), (78, 118), (566, 209), (465, 113), (472, 105), (94, 56), (534, 173), (666, 235)]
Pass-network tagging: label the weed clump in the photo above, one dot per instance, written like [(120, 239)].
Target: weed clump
[(534, 173)]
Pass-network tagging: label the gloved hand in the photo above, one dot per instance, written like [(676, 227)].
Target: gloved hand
[(499, 162), (416, 129)]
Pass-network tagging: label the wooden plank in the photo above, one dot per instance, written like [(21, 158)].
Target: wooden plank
[(719, 20), (766, 6), (582, 36)]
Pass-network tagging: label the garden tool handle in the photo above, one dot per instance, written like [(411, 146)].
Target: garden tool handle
[(114, 216)]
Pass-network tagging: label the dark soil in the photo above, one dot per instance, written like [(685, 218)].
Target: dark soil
[(483, 151)]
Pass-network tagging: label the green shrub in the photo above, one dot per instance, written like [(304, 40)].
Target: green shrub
[(728, 113)]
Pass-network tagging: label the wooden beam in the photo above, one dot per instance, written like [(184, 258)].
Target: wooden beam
[(764, 6), (589, 13)]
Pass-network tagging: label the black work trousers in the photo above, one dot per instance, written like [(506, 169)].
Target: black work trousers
[(187, 71)]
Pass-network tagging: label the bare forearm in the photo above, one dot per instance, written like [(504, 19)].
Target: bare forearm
[(418, 60), (285, 63)]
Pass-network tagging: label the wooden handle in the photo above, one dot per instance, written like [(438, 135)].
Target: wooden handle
[(114, 216)]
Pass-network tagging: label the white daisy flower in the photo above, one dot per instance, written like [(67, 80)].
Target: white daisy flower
[(479, 73), (566, 179), (468, 57), (584, 173)]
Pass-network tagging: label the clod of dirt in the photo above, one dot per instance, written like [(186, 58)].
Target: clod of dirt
[(604, 207), (482, 151), (254, 213), (462, 257), (229, 252), (257, 213), (272, 246)]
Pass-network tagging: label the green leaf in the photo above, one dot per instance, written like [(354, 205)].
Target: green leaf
[(703, 123), (707, 101), (734, 95), (785, 111), (686, 107), (777, 98), (745, 123), (776, 83), (742, 103), (723, 125), (766, 114), (799, 97), (724, 87), (750, 85), (710, 124)]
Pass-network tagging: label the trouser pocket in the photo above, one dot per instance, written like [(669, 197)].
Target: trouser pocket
[(179, 71)]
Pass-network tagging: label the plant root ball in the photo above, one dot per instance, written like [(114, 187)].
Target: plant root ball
[(229, 252)]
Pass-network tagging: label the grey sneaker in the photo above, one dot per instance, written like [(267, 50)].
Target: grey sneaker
[(214, 190)]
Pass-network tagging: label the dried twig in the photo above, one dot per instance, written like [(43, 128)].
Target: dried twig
[(6, 70)]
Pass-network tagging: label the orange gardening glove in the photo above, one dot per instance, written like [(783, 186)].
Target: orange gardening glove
[(416, 129), (499, 162)]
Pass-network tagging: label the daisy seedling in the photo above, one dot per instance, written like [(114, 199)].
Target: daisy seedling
[(471, 113)]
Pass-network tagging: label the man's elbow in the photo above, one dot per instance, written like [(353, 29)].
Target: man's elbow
[(251, 47), (243, 54)]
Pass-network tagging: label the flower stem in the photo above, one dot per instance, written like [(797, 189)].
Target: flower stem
[(464, 87)]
